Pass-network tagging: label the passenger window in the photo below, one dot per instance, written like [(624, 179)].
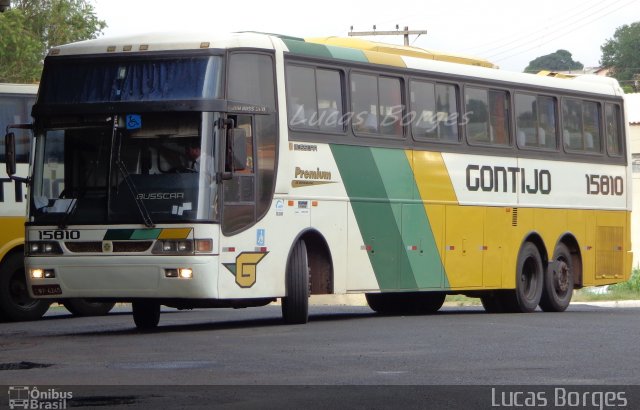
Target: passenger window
[(301, 97), (364, 102), (390, 106), (329, 85), (434, 111), (487, 114), (591, 118), (614, 136), (16, 110), (581, 125), (377, 105), (314, 98), (535, 121)]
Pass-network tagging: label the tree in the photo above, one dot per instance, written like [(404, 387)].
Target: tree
[(20, 50), (31, 27), (621, 53), (561, 60)]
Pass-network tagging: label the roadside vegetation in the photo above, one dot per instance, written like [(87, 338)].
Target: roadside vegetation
[(629, 290)]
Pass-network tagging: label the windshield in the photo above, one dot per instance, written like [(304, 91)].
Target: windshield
[(129, 168)]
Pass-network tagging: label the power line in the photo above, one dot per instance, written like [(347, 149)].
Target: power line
[(483, 50), (564, 32)]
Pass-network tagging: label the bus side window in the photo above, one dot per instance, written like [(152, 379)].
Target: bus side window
[(581, 121), (314, 98), (364, 99), (15, 110), (612, 123)]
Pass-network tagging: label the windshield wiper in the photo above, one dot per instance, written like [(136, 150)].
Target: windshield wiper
[(71, 209), (132, 188)]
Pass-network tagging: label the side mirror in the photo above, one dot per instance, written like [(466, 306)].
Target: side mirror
[(10, 153), (239, 148)]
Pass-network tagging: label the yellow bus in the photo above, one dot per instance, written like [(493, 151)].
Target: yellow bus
[(324, 168), (16, 101)]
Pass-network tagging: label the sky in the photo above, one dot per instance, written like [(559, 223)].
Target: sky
[(509, 33)]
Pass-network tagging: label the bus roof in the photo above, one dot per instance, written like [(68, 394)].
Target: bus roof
[(341, 49), (9, 88)]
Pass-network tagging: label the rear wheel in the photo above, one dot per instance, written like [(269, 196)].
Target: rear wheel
[(558, 281), (295, 306), (83, 307), (146, 314), (15, 302), (529, 280)]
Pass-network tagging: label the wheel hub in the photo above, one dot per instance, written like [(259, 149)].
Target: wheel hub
[(561, 276)]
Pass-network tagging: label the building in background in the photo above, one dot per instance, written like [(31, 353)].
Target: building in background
[(633, 116)]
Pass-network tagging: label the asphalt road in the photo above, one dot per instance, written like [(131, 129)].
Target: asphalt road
[(340, 346)]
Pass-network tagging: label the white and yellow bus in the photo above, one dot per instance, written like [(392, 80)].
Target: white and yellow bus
[(327, 167), (16, 101), (15, 303)]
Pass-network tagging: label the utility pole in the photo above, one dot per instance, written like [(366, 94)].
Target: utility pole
[(406, 32)]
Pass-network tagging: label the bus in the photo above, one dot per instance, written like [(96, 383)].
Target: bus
[(16, 101), (324, 169)]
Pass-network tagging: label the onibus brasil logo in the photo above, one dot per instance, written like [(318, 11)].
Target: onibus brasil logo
[(25, 397)]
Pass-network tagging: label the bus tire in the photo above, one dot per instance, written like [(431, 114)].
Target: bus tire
[(558, 281), (146, 314), (295, 305), (15, 302), (379, 303), (492, 302), (405, 303), (529, 280), (424, 303), (83, 307)]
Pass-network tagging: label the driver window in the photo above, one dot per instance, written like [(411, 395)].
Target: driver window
[(244, 123)]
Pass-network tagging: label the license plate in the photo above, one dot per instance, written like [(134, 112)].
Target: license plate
[(45, 290)]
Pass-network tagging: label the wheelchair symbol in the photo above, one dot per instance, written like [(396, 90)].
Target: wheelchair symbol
[(134, 121)]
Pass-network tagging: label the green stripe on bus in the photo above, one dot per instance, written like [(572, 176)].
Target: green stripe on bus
[(377, 218), (309, 49), (423, 268), (141, 234), (347, 54), (391, 217), (131, 234), (118, 234)]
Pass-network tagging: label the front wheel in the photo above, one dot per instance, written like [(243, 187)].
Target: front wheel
[(146, 314), (295, 306), (529, 279), (15, 302), (558, 281)]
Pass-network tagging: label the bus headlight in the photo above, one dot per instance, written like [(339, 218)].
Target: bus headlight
[(182, 273), (43, 248), (37, 273), (173, 247)]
